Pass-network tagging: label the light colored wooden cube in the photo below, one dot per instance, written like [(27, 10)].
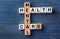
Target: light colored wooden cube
[(27, 32), (49, 9), (27, 26), (21, 26), (38, 26), (44, 9), (33, 10), (21, 10), (32, 26)]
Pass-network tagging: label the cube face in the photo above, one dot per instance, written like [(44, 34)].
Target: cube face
[(32, 26), (38, 26), (43, 9), (27, 32), (33, 10), (49, 9), (21, 10), (21, 26)]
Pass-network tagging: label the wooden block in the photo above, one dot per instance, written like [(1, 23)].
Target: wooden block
[(32, 26), (44, 9), (38, 26), (21, 26), (27, 17), (26, 26), (27, 32), (49, 10), (41, 10), (21, 10), (33, 10)]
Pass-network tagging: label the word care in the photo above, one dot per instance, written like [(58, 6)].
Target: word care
[(37, 10), (32, 26)]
